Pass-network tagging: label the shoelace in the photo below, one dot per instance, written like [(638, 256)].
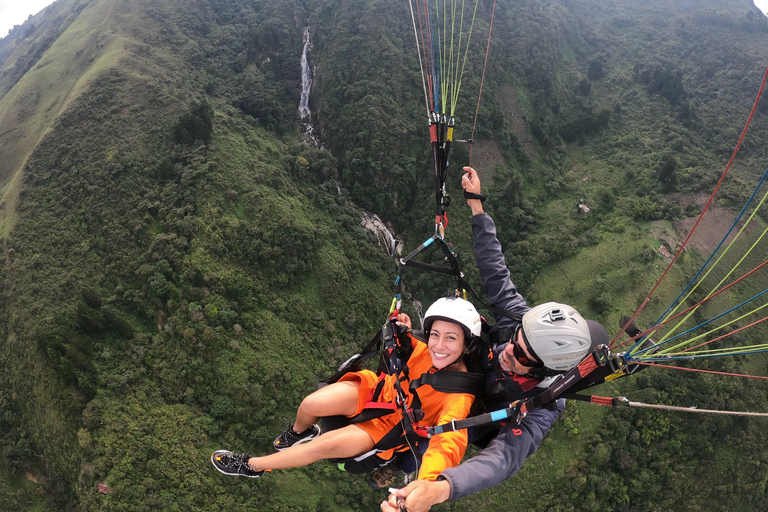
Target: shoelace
[(288, 433), (237, 460)]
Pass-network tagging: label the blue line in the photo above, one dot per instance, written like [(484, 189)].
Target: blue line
[(680, 358), (640, 352), (429, 242), (754, 193)]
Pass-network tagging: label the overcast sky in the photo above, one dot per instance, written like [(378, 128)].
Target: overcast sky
[(15, 12)]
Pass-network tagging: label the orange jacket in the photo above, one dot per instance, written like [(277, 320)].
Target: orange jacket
[(445, 450)]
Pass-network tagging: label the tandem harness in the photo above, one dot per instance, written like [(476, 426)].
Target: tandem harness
[(393, 361), (592, 370)]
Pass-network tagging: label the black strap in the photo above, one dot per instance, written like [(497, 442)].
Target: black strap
[(354, 363), (447, 381), (600, 358), (431, 267), (471, 195)]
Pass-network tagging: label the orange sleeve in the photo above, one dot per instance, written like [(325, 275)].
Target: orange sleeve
[(446, 450)]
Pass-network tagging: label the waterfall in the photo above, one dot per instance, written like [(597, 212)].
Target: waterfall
[(305, 116), (374, 224), (306, 80)]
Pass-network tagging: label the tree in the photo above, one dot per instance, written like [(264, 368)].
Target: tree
[(667, 173)]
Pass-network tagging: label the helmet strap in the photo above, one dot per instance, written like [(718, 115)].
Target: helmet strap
[(541, 373)]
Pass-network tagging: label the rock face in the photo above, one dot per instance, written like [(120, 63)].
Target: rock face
[(386, 239)]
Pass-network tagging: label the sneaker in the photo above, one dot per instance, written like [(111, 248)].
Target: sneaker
[(233, 464), (383, 477), (290, 438)]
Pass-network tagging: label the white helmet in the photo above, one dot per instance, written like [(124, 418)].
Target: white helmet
[(557, 335), (458, 311)]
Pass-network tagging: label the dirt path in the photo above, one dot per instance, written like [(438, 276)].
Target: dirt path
[(514, 115), (713, 226), (486, 157)]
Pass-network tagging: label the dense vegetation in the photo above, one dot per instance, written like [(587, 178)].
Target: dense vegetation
[(180, 268)]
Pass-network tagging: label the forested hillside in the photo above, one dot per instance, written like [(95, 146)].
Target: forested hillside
[(181, 267)]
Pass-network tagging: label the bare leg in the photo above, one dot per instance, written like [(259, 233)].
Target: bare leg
[(339, 398), (344, 442)]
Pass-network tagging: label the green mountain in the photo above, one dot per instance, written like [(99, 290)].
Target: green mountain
[(181, 267)]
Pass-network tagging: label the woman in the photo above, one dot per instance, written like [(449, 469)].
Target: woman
[(452, 327)]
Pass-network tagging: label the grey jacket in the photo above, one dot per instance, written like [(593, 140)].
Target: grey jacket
[(506, 453)]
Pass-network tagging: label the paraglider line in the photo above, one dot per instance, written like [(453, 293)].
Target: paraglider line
[(701, 371), (733, 226), (482, 81), (653, 329), (709, 202)]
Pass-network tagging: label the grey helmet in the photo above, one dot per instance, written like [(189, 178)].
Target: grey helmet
[(557, 335)]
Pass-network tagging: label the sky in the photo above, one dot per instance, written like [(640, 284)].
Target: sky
[(16, 12)]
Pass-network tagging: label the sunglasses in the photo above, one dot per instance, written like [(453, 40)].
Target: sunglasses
[(519, 354)]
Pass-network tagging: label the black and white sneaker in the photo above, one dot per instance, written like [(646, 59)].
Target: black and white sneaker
[(290, 438), (233, 464)]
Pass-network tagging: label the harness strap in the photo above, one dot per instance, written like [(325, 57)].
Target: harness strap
[(447, 381), (517, 411), (354, 363), (472, 195)]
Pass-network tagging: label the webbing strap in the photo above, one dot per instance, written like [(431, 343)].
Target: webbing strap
[(354, 363), (517, 411), (599, 400), (450, 256), (431, 267), (447, 381), (379, 405)]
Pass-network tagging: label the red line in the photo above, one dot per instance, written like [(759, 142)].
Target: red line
[(703, 371), (424, 53), (431, 39), (724, 335), (656, 327), (482, 80), (725, 172)]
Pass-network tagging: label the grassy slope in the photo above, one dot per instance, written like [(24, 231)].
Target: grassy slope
[(30, 109)]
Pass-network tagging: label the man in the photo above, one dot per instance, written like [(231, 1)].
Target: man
[(526, 354)]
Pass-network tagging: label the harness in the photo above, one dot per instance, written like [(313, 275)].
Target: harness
[(586, 373), (394, 358)]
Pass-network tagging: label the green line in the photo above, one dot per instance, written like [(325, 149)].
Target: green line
[(675, 328), (466, 52), (442, 50), (456, 81), (690, 341), (721, 351), (449, 66)]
